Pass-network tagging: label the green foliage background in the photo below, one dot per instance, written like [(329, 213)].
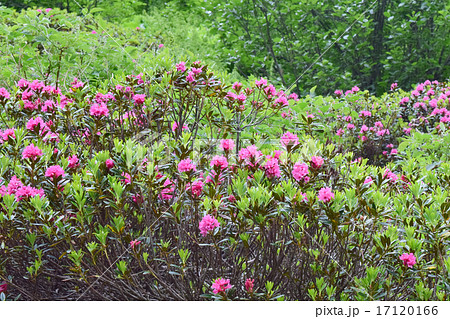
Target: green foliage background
[(389, 40)]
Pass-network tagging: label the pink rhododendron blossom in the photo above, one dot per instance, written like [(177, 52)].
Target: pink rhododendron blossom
[(36, 85), (226, 145), (394, 86), (300, 171), (135, 243), (249, 284), (350, 126), (241, 98), (168, 190), (35, 122), (10, 132), (109, 163), (48, 106), (293, 96), (186, 165), (272, 168), (190, 78), (160, 46), (139, 98), (338, 93), (364, 128), (237, 86), (196, 70), (339, 132), (26, 192), (137, 199), (127, 178), (196, 187), (181, 66), (262, 82), (408, 259), (281, 101), (221, 285), (289, 139), (54, 172), (219, 162), (14, 185), (231, 96), (75, 84), (99, 110), (249, 153), (3, 287), (175, 126), (4, 93), (389, 175), (316, 162), (207, 224), (270, 90), (325, 194), (368, 180), (404, 100), (394, 151), (73, 161), (32, 152), (365, 113), (22, 83)]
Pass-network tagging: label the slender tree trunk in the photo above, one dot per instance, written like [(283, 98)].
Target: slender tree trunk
[(377, 44)]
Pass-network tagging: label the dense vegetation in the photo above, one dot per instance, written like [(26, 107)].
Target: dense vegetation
[(370, 43), (133, 168)]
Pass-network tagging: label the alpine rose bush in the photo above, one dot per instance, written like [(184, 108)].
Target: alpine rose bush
[(122, 193)]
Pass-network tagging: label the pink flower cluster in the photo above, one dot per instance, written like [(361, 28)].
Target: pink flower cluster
[(55, 171), (219, 162), (175, 126), (139, 98), (250, 153), (325, 194), (4, 94), (32, 152), (127, 178), (73, 161), (20, 191), (389, 175), (227, 145), (249, 284), (207, 224), (196, 187), (168, 190), (109, 163), (135, 243), (300, 172), (316, 162), (186, 165), (99, 110), (76, 84), (221, 285), (272, 168), (289, 139), (6, 134), (408, 259)]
